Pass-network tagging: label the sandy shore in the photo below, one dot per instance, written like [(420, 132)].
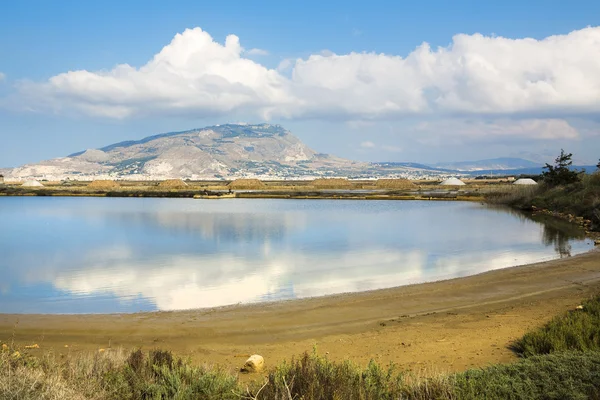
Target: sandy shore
[(433, 327)]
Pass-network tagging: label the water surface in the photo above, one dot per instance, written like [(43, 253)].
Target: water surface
[(90, 255)]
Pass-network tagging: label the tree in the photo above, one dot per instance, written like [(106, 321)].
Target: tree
[(598, 165), (559, 173)]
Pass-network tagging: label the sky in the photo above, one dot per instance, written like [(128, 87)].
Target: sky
[(427, 81)]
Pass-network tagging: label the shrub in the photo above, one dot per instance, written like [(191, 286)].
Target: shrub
[(316, 378), (569, 375), (577, 330)]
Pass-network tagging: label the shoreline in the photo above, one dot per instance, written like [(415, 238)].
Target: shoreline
[(447, 325), (440, 195)]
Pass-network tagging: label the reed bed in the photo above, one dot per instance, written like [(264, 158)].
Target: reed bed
[(395, 184), (248, 184), (103, 184), (173, 184), (332, 183)]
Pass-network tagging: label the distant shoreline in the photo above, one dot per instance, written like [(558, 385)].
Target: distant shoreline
[(273, 190)]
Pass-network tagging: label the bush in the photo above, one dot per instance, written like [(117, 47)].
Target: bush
[(581, 198), (577, 330), (569, 375), (315, 377), (159, 375)]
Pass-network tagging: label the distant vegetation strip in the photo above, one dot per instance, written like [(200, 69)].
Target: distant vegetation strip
[(563, 189), (561, 360), (581, 198), (180, 191)]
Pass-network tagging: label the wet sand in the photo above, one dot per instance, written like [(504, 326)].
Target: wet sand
[(434, 327)]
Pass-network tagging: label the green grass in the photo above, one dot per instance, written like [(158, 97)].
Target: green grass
[(567, 375), (577, 330)]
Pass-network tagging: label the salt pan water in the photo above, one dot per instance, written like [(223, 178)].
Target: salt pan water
[(105, 255)]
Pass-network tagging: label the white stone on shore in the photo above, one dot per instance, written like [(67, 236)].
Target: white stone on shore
[(254, 364)]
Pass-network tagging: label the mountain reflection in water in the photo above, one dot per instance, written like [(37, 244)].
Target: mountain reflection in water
[(122, 255)]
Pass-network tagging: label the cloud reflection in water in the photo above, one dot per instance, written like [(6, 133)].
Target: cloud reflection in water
[(173, 254)]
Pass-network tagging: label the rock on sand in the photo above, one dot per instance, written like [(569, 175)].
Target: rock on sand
[(255, 363)]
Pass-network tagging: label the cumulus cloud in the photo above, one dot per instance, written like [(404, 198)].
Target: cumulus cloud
[(257, 52), (474, 75), (192, 75)]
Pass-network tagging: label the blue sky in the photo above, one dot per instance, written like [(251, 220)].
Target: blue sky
[(347, 77)]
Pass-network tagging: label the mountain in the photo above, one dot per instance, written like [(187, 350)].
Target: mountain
[(235, 151), (221, 151), (496, 164)]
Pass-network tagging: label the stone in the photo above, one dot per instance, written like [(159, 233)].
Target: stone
[(254, 364)]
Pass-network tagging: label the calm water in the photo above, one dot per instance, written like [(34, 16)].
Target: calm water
[(76, 255)]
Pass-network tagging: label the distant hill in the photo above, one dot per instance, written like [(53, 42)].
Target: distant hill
[(496, 164), (220, 151), (233, 151)]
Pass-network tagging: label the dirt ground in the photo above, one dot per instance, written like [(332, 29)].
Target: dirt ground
[(428, 328)]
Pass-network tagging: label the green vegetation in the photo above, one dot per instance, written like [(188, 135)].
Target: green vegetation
[(560, 173), (158, 375), (578, 330), (111, 375), (568, 375), (581, 198), (561, 190)]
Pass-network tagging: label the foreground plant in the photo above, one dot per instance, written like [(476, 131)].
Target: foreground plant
[(157, 374), (577, 330)]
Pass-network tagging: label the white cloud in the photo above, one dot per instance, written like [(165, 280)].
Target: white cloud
[(2, 76), (257, 52), (475, 75), (192, 75), (437, 132), (367, 145), (285, 64)]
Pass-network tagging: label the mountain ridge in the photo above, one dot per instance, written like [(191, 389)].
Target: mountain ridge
[(232, 151), (220, 151)]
